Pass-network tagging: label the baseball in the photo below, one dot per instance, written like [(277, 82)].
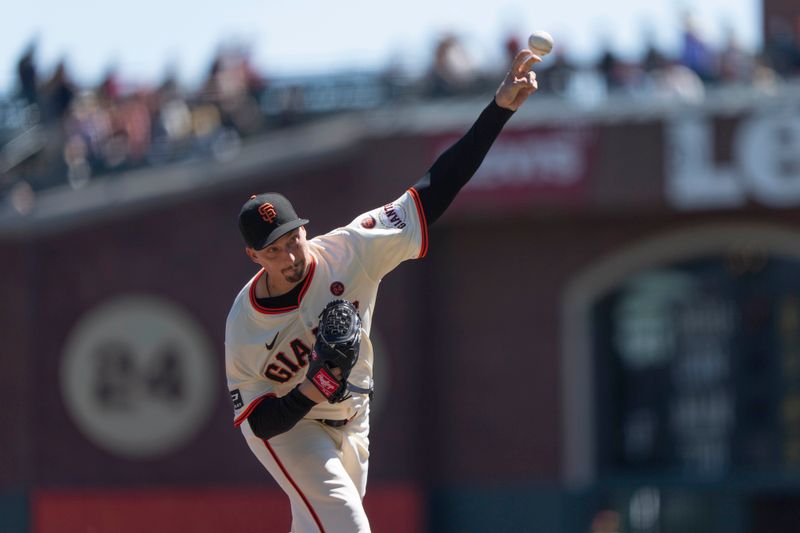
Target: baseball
[(540, 43)]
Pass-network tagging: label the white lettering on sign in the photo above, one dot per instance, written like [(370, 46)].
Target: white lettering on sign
[(765, 166), (557, 160)]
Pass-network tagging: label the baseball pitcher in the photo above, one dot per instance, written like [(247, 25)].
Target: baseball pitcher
[(297, 349)]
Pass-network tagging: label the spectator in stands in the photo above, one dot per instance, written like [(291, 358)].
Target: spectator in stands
[(27, 76), (695, 52), (231, 85), (57, 94), (453, 71), (132, 121), (557, 73), (736, 66), (653, 59), (172, 126), (87, 127), (675, 80), (511, 46), (612, 70), (109, 89)]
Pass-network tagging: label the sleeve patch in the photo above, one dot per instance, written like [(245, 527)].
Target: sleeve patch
[(393, 216), (236, 397)]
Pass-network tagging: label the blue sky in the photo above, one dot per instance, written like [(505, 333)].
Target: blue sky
[(316, 36)]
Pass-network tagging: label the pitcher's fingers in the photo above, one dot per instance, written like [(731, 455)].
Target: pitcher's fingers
[(523, 61), (528, 79), (532, 79)]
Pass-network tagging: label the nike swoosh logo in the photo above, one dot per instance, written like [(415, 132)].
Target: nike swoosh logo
[(271, 345)]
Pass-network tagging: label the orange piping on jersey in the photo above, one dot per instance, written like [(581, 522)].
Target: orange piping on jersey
[(307, 284), (303, 496), (242, 417), (423, 249), (279, 310)]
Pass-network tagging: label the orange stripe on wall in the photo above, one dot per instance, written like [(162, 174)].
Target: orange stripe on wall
[(391, 508), (152, 511)]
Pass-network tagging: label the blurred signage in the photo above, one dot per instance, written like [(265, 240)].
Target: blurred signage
[(137, 377), (545, 163), (665, 320), (700, 364), (763, 165)]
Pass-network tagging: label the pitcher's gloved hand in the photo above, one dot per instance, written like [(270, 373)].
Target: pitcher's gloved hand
[(337, 344)]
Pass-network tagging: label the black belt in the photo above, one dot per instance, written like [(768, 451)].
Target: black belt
[(340, 423), (334, 423)]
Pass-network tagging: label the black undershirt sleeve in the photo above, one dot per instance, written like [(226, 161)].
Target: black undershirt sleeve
[(274, 416), (454, 168)]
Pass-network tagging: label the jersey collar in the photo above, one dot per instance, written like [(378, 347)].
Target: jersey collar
[(278, 310)]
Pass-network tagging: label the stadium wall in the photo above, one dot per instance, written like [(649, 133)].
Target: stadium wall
[(471, 338)]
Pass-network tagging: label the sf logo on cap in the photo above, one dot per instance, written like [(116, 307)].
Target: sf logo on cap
[(267, 212)]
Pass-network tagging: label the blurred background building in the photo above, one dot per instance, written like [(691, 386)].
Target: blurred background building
[(605, 336)]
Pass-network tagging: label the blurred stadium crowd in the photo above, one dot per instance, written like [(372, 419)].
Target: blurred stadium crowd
[(54, 132)]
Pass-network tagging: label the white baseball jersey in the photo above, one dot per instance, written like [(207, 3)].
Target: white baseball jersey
[(267, 351)]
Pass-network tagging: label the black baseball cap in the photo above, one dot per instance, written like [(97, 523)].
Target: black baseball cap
[(267, 217)]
